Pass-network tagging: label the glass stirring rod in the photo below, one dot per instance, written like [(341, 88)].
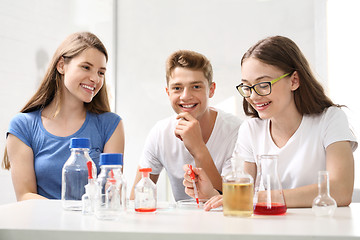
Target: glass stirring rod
[(192, 176)]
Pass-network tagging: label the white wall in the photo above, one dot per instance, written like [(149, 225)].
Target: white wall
[(30, 32), (150, 30), (344, 51)]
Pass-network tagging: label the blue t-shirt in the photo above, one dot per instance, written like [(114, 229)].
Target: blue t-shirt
[(51, 152)]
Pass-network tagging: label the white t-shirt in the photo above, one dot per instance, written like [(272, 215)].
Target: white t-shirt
[(304, 154), (164, 150)]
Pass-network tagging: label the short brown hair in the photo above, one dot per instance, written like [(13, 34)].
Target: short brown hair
[(191, 60), (284, 54)]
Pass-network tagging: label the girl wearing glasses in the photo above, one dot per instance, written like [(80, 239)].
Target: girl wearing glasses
[(292, 117), (71, 101)]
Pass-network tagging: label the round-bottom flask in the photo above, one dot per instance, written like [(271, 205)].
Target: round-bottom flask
[(324, 204)]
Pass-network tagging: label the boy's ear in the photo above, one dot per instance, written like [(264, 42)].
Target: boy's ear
[(212, 89), (60, 65), (167, 91)]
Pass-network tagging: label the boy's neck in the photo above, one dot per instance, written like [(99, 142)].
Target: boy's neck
[(207, 123)]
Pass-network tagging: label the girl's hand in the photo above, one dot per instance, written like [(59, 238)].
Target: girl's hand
[(214, 202)]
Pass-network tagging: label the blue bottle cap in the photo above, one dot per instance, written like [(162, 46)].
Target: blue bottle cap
[(79, 143), (111, 159)]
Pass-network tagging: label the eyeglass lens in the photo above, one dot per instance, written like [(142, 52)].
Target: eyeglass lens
[(262, 89)]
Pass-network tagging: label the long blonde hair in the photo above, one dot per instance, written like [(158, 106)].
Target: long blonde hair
[(51, 88)]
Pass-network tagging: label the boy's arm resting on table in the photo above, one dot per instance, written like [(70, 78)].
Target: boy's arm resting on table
[(138, 177), (340, 164), (21, 158)]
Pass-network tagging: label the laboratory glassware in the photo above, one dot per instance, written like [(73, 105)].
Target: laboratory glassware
[(269, 196), (192, 176), (145, 193), (323, 204), (90, 198), (75, 174), (112, 187), (238, 191)]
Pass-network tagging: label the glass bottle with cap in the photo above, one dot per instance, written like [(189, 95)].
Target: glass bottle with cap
[(238, 191), (145, 193), (75, 174), (112, 187)]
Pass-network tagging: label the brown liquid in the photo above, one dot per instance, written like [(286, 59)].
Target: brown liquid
[(238, 199)]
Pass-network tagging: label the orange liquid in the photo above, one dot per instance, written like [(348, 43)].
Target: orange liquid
[(238, 199), (274, 209), (145, 209)]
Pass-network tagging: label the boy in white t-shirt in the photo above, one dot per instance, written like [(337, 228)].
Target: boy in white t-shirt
[(198, 134)]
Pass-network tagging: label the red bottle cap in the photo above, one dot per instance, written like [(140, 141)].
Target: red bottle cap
[(145, 170)]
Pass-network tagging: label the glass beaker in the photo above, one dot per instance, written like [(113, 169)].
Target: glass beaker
[(145, 193), (238, 191), (269, 196), (324, 204)]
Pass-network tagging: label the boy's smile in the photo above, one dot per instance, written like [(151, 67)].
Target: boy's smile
[(189, 91)]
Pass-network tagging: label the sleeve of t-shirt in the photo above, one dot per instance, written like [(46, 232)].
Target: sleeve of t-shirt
[(336, 128), (110, 121), (243, 147), (150, 155), (20, 127)]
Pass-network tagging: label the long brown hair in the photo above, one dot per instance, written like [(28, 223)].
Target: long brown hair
[(283, 53), (51, 88)]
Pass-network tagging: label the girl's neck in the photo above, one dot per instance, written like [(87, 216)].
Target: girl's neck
[(283, 128), (65, 110), (64, 120)]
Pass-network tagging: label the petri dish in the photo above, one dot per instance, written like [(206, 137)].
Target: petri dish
[(190, 204)]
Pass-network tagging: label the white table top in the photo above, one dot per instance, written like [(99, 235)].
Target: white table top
[(45, 219)]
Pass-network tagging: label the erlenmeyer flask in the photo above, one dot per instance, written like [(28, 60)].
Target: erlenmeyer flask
[(269, 196)]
